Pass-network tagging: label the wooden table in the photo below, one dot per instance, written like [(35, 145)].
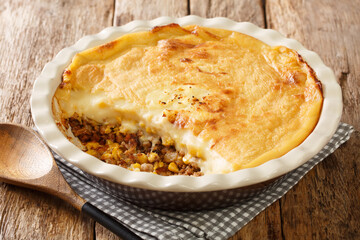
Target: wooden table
[(326, 202)]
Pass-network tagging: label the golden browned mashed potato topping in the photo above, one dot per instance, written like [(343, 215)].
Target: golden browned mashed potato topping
[(188, 100)]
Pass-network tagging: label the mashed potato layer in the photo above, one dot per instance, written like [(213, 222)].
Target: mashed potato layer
[(226, 100)]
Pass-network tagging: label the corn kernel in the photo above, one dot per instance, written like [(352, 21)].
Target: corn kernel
[(136, 165), (106, 156), (92, 145), (102, 105), (115, 145), (108, 129), (173, 167), (116, 152), (92, 152), (142, 158), (153, 157), (166, 141), (186, 158), (161, 164), (156, 165)]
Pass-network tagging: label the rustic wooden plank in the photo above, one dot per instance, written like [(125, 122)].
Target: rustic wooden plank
[(102, 233), (27, 214), (31, 33), (266, 225), (242, 11), (325, 204), (126, 11)]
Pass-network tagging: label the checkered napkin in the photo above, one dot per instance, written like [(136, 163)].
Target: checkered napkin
[(209, 224)]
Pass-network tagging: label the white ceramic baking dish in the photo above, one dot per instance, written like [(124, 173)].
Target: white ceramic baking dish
[(135, 185)]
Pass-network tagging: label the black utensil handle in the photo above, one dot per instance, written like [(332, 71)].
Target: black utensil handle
[(109, 222)]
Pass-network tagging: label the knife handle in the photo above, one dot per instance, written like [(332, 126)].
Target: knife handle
[(109, 222)]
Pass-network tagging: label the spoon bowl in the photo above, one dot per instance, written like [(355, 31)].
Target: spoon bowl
[(26, 161), (24, 155)]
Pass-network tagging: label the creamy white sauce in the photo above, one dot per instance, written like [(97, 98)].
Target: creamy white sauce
[(151, 118)]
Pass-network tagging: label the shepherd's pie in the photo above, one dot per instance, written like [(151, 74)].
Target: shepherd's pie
[(188, 100)]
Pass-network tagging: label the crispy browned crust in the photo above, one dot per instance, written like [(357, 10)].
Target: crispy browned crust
[(171, 25), (312, 73)]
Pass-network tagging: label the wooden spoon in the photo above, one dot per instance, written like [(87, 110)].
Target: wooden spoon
[(26, 161)]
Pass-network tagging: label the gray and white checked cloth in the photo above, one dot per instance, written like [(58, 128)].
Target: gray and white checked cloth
[(209, 224)]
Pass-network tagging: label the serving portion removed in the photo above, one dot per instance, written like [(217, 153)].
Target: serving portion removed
[(193, 99), (188, 100)]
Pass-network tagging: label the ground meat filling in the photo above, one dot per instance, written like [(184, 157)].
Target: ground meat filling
[(133, 151)]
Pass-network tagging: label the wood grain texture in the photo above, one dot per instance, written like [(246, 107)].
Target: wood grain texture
[(325, 204), (242, 11), (126, 11), (31, 33), (102, 233), (27, 214)]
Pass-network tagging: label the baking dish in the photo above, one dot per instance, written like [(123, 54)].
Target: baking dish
[(208, 191)]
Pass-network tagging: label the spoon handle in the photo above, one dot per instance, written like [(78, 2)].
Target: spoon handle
[(109, 222)]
